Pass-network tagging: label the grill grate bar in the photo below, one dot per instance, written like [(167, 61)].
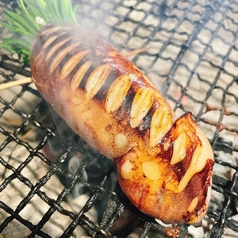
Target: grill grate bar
[(16, 216), (204, 19), (57, 203)]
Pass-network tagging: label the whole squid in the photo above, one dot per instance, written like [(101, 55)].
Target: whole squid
[(164, 162)]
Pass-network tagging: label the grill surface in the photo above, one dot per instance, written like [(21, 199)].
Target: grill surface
[(53, 185)]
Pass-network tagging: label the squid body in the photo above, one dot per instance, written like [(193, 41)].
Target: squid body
[(164, 163)]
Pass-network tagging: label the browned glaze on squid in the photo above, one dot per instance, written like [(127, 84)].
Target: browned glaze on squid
[(164, 163)]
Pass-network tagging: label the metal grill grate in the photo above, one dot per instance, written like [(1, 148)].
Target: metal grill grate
[(53, 185)]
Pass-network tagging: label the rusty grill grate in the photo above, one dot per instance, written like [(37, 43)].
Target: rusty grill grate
[(53, 185)]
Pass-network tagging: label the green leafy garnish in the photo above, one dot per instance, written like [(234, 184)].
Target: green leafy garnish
[(29, 18)]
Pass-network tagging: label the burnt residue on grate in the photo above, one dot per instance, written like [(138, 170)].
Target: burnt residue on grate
[(52, 184)]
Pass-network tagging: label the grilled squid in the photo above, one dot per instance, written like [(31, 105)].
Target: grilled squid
[(164, 163)]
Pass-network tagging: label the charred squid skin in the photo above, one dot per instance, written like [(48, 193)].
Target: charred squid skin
[(164, 164), (177, 191)]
